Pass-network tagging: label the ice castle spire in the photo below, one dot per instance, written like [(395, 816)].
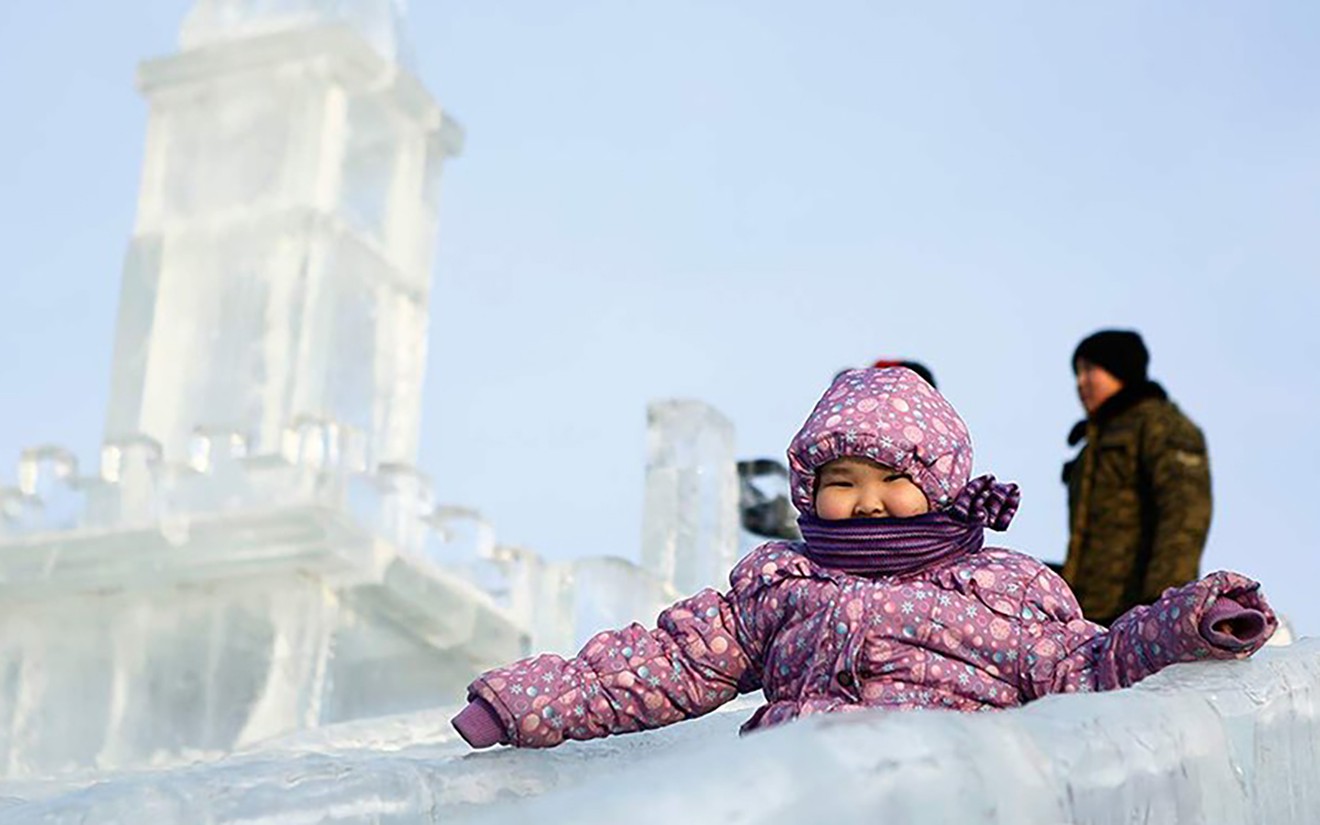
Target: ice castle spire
[(379, 22), (281, 258)]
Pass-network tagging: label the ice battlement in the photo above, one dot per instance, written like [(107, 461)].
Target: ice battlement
[(323, 469), (324, 472), (157, 610)]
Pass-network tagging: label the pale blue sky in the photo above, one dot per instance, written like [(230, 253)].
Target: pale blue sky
[(731, 201)]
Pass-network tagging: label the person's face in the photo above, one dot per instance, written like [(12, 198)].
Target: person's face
[(1095, 385), (860, 488)]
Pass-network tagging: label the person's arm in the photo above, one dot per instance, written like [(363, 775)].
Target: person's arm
[(621, 681), (1222, 616), (1176, 480)]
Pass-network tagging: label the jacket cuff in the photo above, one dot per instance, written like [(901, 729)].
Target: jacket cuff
[(1240, 627), (479, 724)]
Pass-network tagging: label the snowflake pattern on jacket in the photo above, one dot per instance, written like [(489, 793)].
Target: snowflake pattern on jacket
[(991, 630)]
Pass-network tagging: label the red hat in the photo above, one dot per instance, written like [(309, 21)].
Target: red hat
[(916, 366)]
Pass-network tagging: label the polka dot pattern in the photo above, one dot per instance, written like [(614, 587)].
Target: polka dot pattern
[(989, 630)]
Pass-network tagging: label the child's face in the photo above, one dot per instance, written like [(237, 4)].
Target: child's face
[(860, 488)]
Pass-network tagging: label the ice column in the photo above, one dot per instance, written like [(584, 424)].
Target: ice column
[(690, 523)]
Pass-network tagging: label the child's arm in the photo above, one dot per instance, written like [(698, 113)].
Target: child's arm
[(622, 681), (1222, 616)]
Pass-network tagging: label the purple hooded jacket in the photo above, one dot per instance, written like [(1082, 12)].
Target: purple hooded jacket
[(981, 630)]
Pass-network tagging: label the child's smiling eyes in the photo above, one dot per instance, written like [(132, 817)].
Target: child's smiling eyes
[(844, 482)]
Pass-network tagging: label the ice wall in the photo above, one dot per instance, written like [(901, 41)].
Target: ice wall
[(1210, 742), (158, 610)]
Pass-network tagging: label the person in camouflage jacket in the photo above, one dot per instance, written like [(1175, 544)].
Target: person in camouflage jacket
[(1139, 498)]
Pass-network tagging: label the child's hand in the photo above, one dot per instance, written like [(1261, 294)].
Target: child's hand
[(479, 724), (1229, 624), (1249, 623)]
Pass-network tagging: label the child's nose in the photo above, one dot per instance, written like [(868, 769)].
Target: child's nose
[(869, 506)]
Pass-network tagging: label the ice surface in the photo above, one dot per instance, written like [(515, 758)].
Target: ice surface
[(690, 524), (1207, 743)]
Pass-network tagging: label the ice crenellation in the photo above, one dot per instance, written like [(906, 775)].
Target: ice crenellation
[(160, 612)]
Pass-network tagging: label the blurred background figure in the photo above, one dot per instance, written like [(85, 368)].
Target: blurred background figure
[(916, 366), (1139, 491), (763, 502)]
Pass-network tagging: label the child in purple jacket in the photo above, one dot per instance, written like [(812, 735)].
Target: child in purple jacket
[(891, 601)]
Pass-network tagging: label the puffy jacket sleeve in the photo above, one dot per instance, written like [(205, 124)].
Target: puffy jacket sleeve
[(1065, 653), (1176, 473), (624, 680)]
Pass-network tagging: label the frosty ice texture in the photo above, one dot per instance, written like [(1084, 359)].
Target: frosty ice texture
[(1198, 744), (690, 524)]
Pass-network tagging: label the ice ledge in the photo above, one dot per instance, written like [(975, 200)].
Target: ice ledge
[(329, 49), (1216, 743)]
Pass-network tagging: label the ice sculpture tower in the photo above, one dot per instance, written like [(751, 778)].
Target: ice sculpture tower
[(256, 553), (281, 259)]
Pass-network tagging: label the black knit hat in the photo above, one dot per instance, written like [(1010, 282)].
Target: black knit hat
[(1120, 352)]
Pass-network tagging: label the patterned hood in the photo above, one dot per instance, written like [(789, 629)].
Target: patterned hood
[(890, 416)]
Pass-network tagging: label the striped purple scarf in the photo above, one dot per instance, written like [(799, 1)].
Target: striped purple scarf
[(897, 546)]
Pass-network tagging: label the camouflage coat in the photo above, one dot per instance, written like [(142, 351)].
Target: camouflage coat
[(1138, 501)]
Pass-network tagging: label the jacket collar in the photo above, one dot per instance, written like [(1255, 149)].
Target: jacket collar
[(1121, 401)]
